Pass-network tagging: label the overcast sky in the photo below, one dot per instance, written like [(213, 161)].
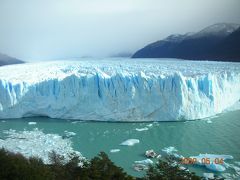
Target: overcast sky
[(52, 29)]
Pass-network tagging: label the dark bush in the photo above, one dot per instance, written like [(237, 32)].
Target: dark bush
[(16, 167), (168, 170)]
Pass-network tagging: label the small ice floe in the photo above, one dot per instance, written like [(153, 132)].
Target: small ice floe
[(169, 150), (150, 153), (159, 156), (149, 125), (68, 134), (106, 133), (215, 167), (32, 123), (3, 121), (142, 129), (75, 122), (130, 142), (145, 162), (140, 167), (177, 155), (208, 175), (182, 168), (209, 121), (114, 150)]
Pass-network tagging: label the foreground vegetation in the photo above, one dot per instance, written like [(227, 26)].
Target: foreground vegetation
[(15, 166)]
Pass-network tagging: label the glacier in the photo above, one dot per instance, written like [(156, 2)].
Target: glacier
[(119, 89)]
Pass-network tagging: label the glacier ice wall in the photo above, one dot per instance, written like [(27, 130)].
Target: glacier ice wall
[(119, 90)]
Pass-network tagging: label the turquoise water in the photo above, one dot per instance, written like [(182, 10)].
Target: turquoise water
[(189, 138)]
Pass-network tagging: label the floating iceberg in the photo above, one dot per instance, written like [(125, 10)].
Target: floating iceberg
[(130, 142), (145, 162), (208, 175), (114, 150), (32, 123), (169, 150), (142, 129), (140, 167), (209, 121), (119, 90), (149, 125), (151, 153), (215, 167), (68, 134), (38, 144)]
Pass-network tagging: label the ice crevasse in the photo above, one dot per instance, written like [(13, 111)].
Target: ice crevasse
[(119, 90)]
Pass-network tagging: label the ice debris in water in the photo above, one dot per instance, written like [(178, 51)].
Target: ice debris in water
[(215, 167), (234, 167), (32, 123), (149, 125), (209, 121), (130, 142), (208, 175), (114, 150), (229, 176), (68, 134), (37, 144), (213, 161), (171, 151), (142, 129), (145, 162), (140, 167), (151, 153)]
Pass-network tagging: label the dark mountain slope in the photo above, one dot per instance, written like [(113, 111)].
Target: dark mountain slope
[(229, 48), (204, 45), (6, 60)]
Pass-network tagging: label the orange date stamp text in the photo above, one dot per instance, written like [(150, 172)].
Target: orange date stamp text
[(202, 160)]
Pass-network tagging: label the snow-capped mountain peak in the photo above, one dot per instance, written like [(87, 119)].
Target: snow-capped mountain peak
[(219, 29)]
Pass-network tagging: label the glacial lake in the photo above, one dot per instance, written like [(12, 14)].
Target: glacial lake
[(219, 135)]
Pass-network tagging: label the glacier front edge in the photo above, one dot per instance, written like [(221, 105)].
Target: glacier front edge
[(119, 89)]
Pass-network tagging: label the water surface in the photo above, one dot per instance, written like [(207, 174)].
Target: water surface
[(218, 136)]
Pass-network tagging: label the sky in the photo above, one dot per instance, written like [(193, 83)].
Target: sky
[(35, 30)]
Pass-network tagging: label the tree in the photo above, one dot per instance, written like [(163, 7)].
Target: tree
[(168, 169)]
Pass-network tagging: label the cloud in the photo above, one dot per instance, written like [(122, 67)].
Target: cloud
[(48, 29)]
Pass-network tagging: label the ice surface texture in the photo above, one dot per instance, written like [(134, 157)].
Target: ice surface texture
[(119, 90), (37, 144)]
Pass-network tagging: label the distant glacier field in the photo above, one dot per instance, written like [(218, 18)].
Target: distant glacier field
[(119, 89)]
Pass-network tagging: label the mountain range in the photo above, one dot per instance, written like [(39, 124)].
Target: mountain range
[(219, 42), (7, 60)]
